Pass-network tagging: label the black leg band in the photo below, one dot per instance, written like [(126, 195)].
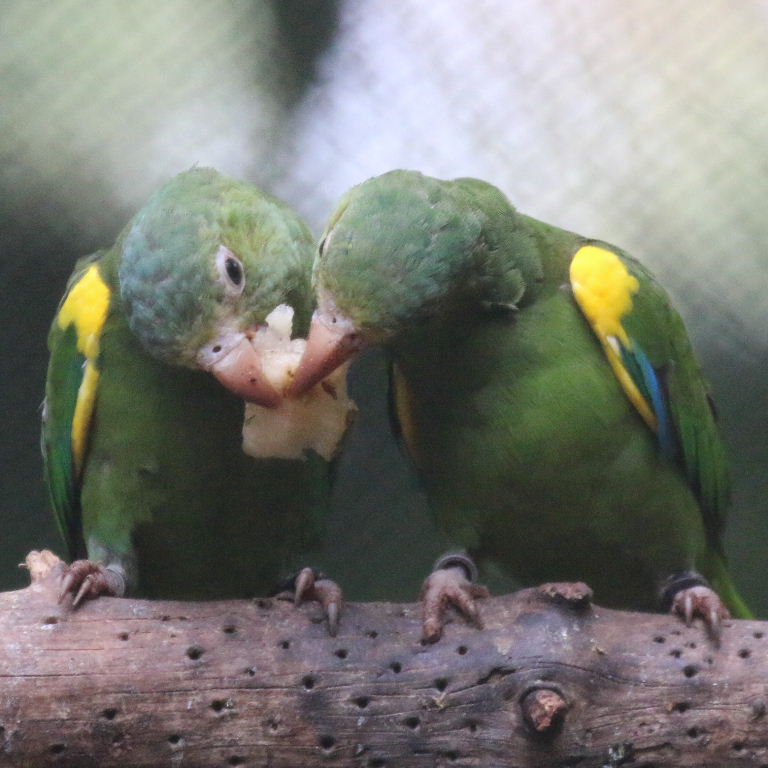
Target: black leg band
[(676, 583), (458, 560)]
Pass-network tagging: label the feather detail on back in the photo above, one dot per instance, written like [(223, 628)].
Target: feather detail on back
[(646, 345), (603, 289), (70, 398), (85, 307)]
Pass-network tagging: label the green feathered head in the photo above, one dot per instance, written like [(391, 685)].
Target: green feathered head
[(403, 248), (203, 264)]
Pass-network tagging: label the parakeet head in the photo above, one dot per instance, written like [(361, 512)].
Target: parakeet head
[(402, 248), (202, 265)]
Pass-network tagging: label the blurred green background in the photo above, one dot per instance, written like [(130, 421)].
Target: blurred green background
[(642, 123)]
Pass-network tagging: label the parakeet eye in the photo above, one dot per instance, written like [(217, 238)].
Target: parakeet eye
[(234, 270), (231, 271)]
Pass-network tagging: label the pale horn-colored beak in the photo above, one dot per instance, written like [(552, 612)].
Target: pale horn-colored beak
[(332, 340), (240, 368)]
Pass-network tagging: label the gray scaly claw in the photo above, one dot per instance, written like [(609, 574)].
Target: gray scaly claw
[(451, 582), (703, 602), (86, 579), (311, 585)]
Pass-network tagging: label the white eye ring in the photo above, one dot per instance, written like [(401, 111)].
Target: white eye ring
[(231, 271)]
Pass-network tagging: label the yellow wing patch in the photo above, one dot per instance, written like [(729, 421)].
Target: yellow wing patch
[(403, 398), (603, 289), (86, 307)]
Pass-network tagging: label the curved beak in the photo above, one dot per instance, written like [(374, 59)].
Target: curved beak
[(241, 371), (332, 340)]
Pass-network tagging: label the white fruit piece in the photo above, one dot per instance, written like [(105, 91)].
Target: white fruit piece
[(314, 421)]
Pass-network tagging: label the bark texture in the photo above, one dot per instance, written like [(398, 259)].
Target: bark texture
[(552, 680)]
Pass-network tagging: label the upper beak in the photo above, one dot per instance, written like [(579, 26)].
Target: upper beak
[(332, 340), (241, 371)]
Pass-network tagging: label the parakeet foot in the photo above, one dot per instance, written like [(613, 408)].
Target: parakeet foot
[(86, 579), (451, 581), (703, 602), (690, 596), (309, 584)]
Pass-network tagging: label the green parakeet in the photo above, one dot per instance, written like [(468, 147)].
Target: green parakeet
[(543, 385), (158, 470)]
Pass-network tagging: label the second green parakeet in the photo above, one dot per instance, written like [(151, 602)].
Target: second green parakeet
[(543, 386), (159, 472)]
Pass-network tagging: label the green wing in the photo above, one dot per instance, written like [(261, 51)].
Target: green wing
[(64, 390), (648, 346)]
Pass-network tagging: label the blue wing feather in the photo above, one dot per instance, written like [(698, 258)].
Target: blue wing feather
[(650, 382)]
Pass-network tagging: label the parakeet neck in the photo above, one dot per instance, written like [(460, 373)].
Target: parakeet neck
[(461, 346)]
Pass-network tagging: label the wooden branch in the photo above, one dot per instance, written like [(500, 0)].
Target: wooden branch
[(551, 681)]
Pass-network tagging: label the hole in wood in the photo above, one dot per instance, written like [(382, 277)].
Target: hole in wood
[(745, 653), (362, 701), (235, 760), (219, 705), (472, 725), (265, 605), (412, 722), (326, 742), (659, 639), (51, 620), (308, 682), (285, 644), (377, 762), (737, 746), (251, 671), (396, 667), (690, 670), (175, 739), (372, 633), (681, 706), (110, 713), (441, 683), (342, 653), (676, 652), (57, 749), (123, 636), (229, 629), (461, 650), (194, 652), (758, 635)]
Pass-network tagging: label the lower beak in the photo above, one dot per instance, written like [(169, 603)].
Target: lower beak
[(332, 341), (241, 371)]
